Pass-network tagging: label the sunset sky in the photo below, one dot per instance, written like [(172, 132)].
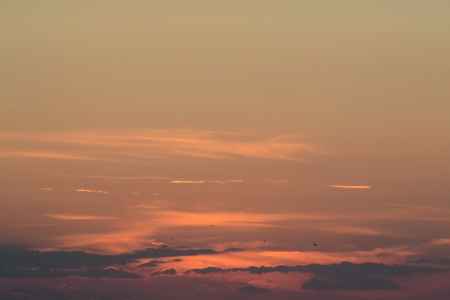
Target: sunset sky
[(290, 149)]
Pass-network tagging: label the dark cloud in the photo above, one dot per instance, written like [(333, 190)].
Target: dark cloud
[(211, 270), (343, 276), (346, 270), (342, 270), (15, 257), (233, 250), (155, 263), (252, 289), (362, 283), (39, 293), (21, 263), (443, 262), (171, 271), (23, 273)]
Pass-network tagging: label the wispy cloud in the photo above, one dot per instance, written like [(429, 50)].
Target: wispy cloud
[(65, 155), (226, 181), (280, 182), (353, 230), (205, 181), (188, 181), (148, 145), (346, 186), (78, 217), (35, 154), (126, 177), (443, 241), (47, 189), (92, 191)]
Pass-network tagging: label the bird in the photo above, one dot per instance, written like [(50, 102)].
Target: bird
[(314, 244)]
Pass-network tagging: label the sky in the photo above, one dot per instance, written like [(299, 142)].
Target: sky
[(224, 149)]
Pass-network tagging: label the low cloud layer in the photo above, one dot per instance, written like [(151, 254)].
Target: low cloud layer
[(252, 289), (11, 257), (24, 273), (344, 276)]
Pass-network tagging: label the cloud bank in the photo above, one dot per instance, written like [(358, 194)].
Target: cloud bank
[(343, 276)]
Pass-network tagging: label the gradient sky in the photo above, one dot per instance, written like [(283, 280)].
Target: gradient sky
[(161, 138)]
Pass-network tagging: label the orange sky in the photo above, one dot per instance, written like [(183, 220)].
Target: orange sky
[(262, 125)]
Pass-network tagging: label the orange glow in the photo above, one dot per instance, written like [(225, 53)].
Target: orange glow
[(111, 243), (234, 219)]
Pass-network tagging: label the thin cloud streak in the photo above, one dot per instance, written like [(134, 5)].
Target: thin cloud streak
[(443, 241), (205, 181), (92, 191), (64, 156), (344, 186), (45, 155), (352, 230), (79, 217), (127, 177), (188, 181)]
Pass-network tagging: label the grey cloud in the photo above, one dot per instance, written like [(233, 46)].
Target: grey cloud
[(362, 283), (343, 270), (211, 270), (22, 273), (155, 263), (444, 262), (252, 289), (171, 271), (40, 293), (21, 263), (16, 257), (344, 276)]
